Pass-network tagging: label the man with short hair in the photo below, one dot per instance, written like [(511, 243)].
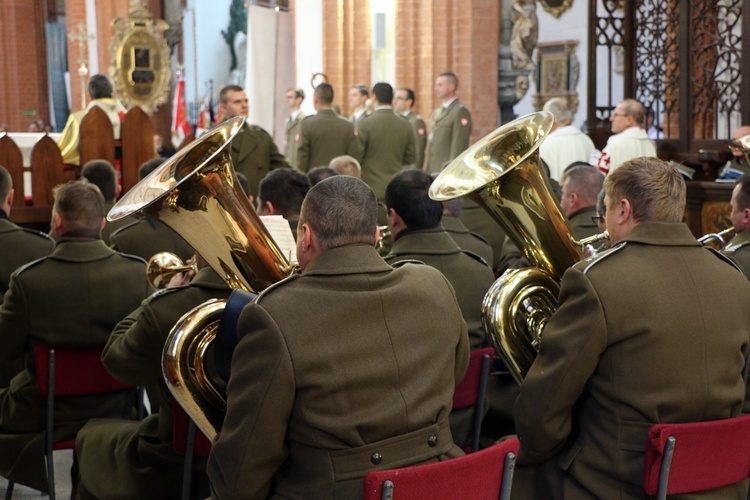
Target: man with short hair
[(403, 104), (358, 96), (101, 90), (450, 125), (281, 193), (104, 176), (643, 335), (346, 165), (738, 249), (294, 98), (318, 174), (253, 150), (325, 135), (580, 187), (629, 140), (340, 389), (74, 297), (565, 144), (387, 141)]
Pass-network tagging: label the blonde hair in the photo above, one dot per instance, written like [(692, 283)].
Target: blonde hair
[(655, 190)]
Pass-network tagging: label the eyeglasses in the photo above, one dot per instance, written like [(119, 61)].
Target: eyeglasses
[(597, 218)]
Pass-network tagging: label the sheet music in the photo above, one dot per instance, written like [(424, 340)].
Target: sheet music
[(282, 235)]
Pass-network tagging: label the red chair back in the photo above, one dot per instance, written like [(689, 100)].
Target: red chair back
[(478, 476), (707, 455), (181, 421), (467, 391), (78, 371)]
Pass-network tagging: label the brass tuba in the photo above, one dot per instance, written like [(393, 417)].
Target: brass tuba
[(197, 195), (502, 173)]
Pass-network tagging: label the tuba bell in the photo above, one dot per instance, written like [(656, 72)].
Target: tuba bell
[(502, 173), (196, 194)]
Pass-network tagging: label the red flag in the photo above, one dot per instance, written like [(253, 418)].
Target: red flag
[(180, 125)]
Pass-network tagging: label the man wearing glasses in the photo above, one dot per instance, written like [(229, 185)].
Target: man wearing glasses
[(629, 140)]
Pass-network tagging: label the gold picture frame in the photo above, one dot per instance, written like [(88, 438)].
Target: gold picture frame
[(140, 60), (556, 7)]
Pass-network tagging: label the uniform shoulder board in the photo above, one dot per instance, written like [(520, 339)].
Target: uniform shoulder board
[(736, 246), (725, 258), (595, 259), (165, 291), (41, 234), (28, 265), (480, 237), (277, 285), (400, 263), (475, 257), (131, 257)]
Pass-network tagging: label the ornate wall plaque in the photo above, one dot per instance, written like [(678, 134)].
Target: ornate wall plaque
[(556, 7), (557, 73), (140, 59)]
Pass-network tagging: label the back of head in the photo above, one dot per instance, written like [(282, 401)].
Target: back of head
[(324, 93), (635, 109), (103, 175), (149, 166), (100, 86), (285, 189), (383, 93), (655, 190), (80, 204), (407, 194), (341, 210), (6, 183), (559, 109), (317, 174), (584, 180), (346, 165)]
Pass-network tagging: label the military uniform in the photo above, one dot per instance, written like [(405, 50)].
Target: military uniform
[(135, 459), (388, 147), (323, 137), (582, 223), (292, 134), (420, 136), (146, 237), (738, 249), (643, 335), (111, 226), (467, 240), (255, 154), (477, 220), (339, 389), (65, 299), (450, 130)]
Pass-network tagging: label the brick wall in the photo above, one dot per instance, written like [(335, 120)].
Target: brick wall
[(23, 81)]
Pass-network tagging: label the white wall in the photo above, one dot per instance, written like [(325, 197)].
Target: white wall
[(308, 20)]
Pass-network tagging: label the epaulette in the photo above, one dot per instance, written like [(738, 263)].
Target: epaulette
[(37, 233), (479, 236), (131, 257), (733, 248), (400, 263), (475, 257), (28, 265), (165, 291), (277, 285), (726, 259), (595, 259)]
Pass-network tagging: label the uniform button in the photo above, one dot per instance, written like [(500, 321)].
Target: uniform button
[(376, 458), (432, 440)]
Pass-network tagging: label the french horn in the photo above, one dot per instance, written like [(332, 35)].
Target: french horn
[(196, 194), (502, 173)]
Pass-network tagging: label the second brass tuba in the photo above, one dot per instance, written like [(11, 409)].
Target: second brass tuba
[(196, 194), (502, 173)]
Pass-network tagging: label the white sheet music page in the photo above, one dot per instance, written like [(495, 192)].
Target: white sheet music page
[(282, 235)]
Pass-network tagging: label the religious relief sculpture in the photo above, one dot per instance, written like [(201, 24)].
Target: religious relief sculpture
[(524, 33)]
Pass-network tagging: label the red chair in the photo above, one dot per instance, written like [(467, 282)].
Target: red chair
[(470, 392), (694, 457), (64, 371), (188, 443), (484, 475)]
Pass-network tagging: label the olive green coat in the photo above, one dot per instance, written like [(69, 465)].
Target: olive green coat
[(72, 298), (291, 133), (121, 459), (582, 223), (478, 221), (387, 148), (19, 246), (327, 383), (111, 226), (324, 136), (643, 335), (467, 240), (450, 131), (255, 154), (420, 137), (147, 237), (738, 249)]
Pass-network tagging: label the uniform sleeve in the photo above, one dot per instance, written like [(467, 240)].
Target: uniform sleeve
[(14, 321), (572, 344), (303, 149), (277, 159), (355, 148), (133, 352), (461, 132), (410, 153), (421, 143), (260, 396)]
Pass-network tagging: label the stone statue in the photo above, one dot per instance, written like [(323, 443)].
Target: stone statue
[(524, 33)]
